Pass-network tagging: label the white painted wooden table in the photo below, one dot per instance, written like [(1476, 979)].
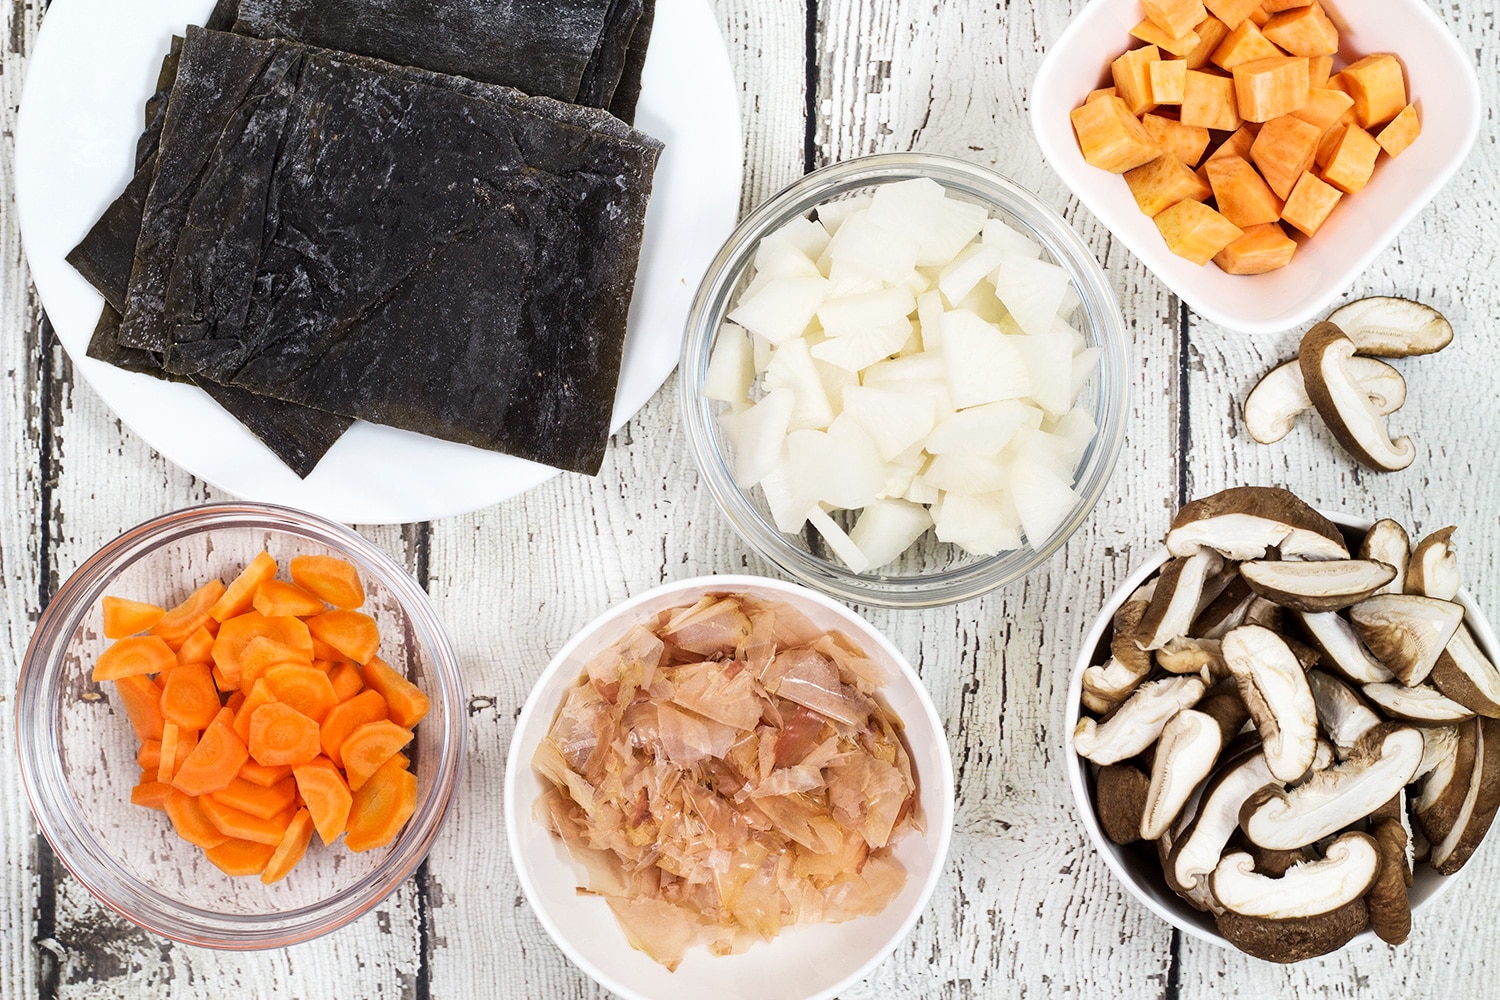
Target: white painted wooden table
[(1025, 909)]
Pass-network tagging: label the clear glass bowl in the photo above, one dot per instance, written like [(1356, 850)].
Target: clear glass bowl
[(931, 573), (78, 750)]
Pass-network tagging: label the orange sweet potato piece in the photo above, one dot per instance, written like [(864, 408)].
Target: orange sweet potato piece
[(1260, 249), (1324, 107), (1269, 88), (1260, 16), (123, 617), (141, 700), (1401, 132), (1329, 143), (370, 746), (189, 821), (290, 849), (215, 761), (263, 801), (380, 809), (1352, 160), (1283, 151), (238, 596), (190, 698), (1110, 137), (189, 616), (1243, 196), (1195, 231), (132, 656), (329, 578), (345, 678), (1211, 33), (279, 599), (407, 703), (1157, 186), (1150, 32), (1168, 81), (240, 858), (1175, 17), (1094, 95), (1319, 69), (1303, 31), (1378, 87), (1232, 13), (323, 788), (355, 635), (279, 734), (197, 648), (307, 689), (148, 754), (1310, 203), (1132, 76), (1243, 44), (1208, 102), (1176, 139)]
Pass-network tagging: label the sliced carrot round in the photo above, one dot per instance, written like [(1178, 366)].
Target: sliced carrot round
[(408, 705), (260, 774), (260, 801), (279, 734), (307, 689), (141, 699), (345, 678), (237, 597), (134, 655), (290, 849), (240, 857), (370, 746), (189, 821), (329, 578), (326, 795), (189, 616), (243, 826), (124, 617), (151, 794), (275, 598), (197, 648), (381, 808), (215, 761), (352, 633), (190, 698), (347, 716)]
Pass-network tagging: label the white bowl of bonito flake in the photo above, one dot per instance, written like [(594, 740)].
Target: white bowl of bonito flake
[(904, 380), (804, 960)]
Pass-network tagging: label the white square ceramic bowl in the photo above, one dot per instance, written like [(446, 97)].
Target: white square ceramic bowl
[(1440, 81)]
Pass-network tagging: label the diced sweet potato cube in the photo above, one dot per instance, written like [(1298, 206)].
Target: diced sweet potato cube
[(1270, 88), (1112, 138), (1283, 150), (1182, 141), (1232, 12), (1208, 102), (1211, 33), (1259, 16), (1237, 144), (1310, 203), (1243, 196), (1132, 73), (1260, 249), (1400, 133), (1094, 95), (1150, 32), (1353, 160), (1303, 31), (1244, 44), (1195, 231), (1168, 81), (1378, 87), (1277, 6), (1319, 68), (1164, 182), (1330, 142), (1324, 107), (1175, 17)]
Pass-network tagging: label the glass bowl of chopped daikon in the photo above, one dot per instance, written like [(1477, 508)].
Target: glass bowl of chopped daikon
[(904, 380)]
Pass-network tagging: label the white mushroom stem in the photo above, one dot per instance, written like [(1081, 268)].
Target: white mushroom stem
[(1305, 890), (1138, 723)]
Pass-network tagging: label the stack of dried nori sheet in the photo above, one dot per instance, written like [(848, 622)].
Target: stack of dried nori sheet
[(456, 257)]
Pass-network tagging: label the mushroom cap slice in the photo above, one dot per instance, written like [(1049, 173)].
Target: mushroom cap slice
[(1137, 723), (1464, 674), (1182, 655), (1297, 938), (1340, 643), (1481, 802), (1196, 851), (1119, 800), (1406, 632), (1388, 542), (1335, 797), (1392, 327), (1108, 685), (1433, 569), (1439, 747), (1245, 522), (1226, 611), (1446, 786), (1389, 904), (1185, 754), (1342, 714), (1316, 585), (1324, 355), (1308, 889), (1273, 686), (1416, 704), (1280, 397), (1173, 607)]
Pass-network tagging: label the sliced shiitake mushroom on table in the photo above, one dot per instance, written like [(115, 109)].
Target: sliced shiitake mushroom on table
[(1416, 703), (1390, 327), (1342, 714), (1175, 603), (1280, 397), (1185, 754), (1316, 586), (1358, 425), (1108, 685)]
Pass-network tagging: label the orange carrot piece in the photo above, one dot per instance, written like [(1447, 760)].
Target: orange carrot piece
[(327, 796), (238, 632), (260, 774), (240, 857), (239, 825), (323, 651), (306, 689), (345, 717), (345, 678), (151, 794), (238, 596), (369, 746), (190, 698), (290, 850), (259, 695), (189, 616), (166, 763), (352, 633), (124, 617), (189, 821), (187, 742), (133, 655), (380, 809), (406, 702), (214, 761), (275, 598), (148, 754), (325, 667), (263, 652), (141, 700), (235, 700), (261, 801), (279, 734), (197, 648), (332, 579)]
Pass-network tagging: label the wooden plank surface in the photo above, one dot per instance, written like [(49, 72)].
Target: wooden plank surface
[(1025, 907)]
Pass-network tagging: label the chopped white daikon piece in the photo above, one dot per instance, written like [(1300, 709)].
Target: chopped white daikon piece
[(1049, 366), (781, 309), (940, 225), (887, 528), (1043, 447), (981, 301), (968, 269), (967, 474), (788, 498), (842, 545), (1070, 303), (757, 434), (922, 492), (930, 319), (835, 381), (928, 366), (1012, 241), (1032, 291), (978, 523), (1077, 428), (856, 313), (1043, 499), (840, 466), (792, 367), (1084, 364), (806, 235), (859, 349), (983, 365), (901, 470), (894, 420), (982, 430), (832, 214), (731, 367), (865, 247)]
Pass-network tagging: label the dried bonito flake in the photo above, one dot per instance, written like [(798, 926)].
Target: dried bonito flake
[(726, 770)]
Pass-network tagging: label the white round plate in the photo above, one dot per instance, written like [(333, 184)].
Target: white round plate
[(95, 63)]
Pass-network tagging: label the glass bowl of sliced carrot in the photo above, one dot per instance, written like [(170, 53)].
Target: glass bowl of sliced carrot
[(240, 725)]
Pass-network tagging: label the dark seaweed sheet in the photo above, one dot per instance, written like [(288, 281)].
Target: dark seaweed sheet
[(628, 93), (544, 48), (456, 265), (602, 76)]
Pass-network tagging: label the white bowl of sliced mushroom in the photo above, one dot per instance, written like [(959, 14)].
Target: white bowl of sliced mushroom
[(1286, 726)]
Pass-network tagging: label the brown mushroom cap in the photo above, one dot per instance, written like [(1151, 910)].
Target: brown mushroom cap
[(1120, 798), (1196, 851), (1481, 802), (1441, 799), (1297, 938), (1467, 676), (1389, 904), (1245, 522), (1325, 358), (1316, 586), (1175, 603)]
